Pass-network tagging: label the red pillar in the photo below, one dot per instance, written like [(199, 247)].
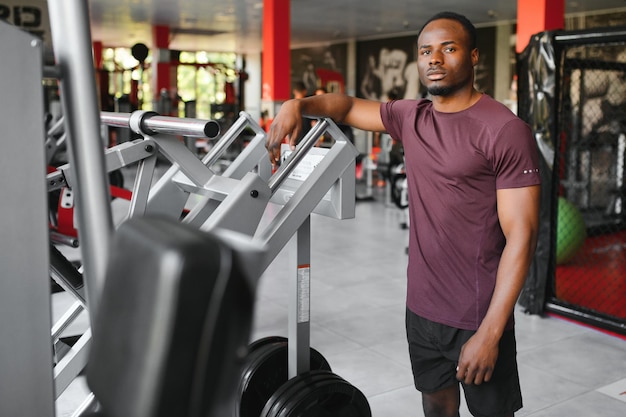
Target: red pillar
[(97, 54), (276, 66), (534, 16), (161, 66)]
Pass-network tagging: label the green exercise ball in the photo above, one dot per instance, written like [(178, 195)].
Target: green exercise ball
[(571, 231)]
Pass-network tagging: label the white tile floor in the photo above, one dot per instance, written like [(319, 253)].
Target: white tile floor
[(357, 323)]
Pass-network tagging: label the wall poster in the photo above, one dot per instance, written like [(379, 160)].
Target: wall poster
[(320, 67)]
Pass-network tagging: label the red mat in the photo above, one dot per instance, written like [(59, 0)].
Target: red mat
[(596, 278)]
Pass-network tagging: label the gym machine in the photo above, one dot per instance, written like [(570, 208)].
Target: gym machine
[(226, 217), (143, 153), (310, 180), (189, 177)]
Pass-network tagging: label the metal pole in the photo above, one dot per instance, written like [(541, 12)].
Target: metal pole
[(307, 143), (71, 36), (299, 321), (227, 139), (151, 123)]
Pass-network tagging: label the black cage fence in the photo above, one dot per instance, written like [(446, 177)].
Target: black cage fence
[(572, 91)]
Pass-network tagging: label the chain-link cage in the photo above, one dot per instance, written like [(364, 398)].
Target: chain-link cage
[(591, 211), (574, 97)]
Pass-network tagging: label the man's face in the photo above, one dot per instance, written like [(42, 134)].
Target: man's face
[(445, 63)]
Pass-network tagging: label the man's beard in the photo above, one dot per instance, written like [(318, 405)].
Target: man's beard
[(447, 90), (441, 90)]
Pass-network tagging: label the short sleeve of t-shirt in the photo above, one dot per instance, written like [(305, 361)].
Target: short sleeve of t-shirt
[(515, 158), (395, 112)]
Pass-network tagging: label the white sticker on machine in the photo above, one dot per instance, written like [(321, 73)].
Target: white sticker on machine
[(304, 293)]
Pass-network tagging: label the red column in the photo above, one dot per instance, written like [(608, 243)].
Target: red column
[(276, 66), (161, 74), (97, 54), (534, 16)]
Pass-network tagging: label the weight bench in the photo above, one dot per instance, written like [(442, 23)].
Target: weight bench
[(174, 320)]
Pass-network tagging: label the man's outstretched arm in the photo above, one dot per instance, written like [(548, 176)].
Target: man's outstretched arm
[(359, 113)]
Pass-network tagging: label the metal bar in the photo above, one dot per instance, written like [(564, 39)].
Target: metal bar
[(299, 320), (56, 237), (88, 407), (183, 127), (188, 163), (57, 127), (231, 134), (590, 36), (307, 143), (226, 140), (115, 119), (73, 55), (68, 318), (72, 364), (253, 156), (152, 123), (64, 274), (141, 188)]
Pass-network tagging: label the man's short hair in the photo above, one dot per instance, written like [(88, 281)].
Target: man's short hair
[(464, 21)]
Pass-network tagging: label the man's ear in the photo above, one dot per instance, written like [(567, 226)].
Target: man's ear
[(475, 56)]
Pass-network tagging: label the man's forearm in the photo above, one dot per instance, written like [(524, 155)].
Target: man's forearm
[(510, 280), (335, 106)]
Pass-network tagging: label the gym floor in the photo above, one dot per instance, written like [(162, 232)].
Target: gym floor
[(358, 273)]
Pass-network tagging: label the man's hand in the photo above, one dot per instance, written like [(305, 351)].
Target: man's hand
[(358, 113), (477, 360), (286, 125)]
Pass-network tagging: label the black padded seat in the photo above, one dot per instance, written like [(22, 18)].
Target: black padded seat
[(174, 321)]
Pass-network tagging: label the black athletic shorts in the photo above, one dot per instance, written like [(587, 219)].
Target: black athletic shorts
[(435, 349)]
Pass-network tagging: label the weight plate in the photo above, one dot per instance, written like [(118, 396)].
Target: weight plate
[(327, 397), (265, 370), (293, 387), (258, 377), (265, 341), (298, 391)]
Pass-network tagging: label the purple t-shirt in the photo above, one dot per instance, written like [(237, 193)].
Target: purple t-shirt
[(454, 164)]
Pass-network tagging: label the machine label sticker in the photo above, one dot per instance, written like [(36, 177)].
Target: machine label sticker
[(304, 293), (305, 167)]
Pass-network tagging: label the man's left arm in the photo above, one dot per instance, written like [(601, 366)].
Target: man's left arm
[(518, 213)]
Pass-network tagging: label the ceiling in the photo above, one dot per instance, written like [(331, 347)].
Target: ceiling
[(236, 25)]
